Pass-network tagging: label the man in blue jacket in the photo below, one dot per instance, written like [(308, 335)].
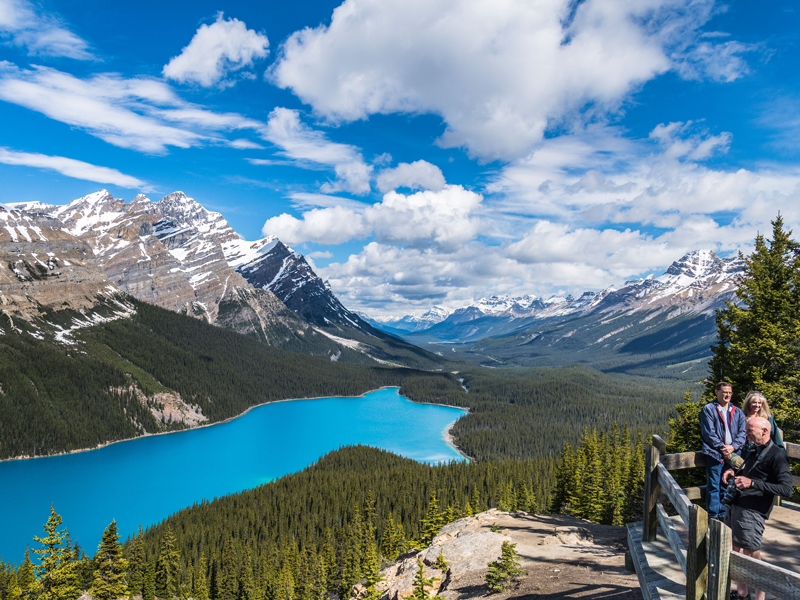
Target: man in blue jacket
[(722, 427)]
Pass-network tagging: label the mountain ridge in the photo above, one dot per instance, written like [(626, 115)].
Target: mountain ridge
[(176, 254)]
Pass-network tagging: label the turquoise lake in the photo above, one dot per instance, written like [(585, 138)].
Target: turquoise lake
[(143, 481)]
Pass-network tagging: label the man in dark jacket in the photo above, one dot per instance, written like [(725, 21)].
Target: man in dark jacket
[(722, 431), (764, 475)]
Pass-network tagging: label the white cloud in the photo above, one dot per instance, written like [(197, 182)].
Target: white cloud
[(504, 73), (623, 252), (71, 168), (321, 225), (141, 114), (43, 34), (299, 142), (444, 219), (417, 175), (215, 51), (581, 212)]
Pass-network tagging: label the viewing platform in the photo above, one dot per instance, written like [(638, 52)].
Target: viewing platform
[(669, 566)]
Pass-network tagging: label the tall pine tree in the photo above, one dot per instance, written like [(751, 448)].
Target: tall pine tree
[(56, 575), (111, 568), (759, 337), (167, 567)]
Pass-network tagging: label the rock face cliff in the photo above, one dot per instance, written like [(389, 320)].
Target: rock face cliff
[(270, 265), (44, 269), (562, 557), (169, 253), (176, 254)]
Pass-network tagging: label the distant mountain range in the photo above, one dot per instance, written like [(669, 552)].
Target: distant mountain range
[(643, 326), (86, 255)]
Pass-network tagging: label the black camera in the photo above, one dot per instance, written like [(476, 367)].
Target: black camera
[(731, 492)]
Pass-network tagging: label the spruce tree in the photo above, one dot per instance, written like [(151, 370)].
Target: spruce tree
[(758, 343), (228, 575), (422, 583), (432, 522), (200, 591), (136, 564), (505, 569), (56, 575), (111, 568), (149, 581), (246, 581), (168, 567)]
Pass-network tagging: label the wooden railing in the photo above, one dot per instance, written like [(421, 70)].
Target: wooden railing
[(708, 561)]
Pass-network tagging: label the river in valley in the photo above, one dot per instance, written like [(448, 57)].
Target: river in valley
[(142, 481)]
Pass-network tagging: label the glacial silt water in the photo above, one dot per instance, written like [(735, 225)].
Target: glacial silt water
[(143, 481)]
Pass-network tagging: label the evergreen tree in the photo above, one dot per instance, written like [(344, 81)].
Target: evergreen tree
[(422, 583), (505, 569), (246, 581), (475, 499), (168, 567), (136, 564), (589, 496), (200, 591), (432, 522), (228, 575), (634, 485), (56, 576), (286, 585), (758, 343), (26, 578), (440, 564), (149, 581), (112, 568)]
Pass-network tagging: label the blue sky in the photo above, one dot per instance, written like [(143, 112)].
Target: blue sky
[(420, 152)]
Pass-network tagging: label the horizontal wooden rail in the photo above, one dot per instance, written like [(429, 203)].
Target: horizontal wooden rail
[(792, 450), (668, 527), (761, 575), (674, 492), (695, 493), (684, 460)]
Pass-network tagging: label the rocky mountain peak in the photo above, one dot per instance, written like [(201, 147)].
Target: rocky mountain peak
[(697, 263), (185, 212)]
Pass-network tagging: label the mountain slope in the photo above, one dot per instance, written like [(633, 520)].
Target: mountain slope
[(655, 326), (176, 254), (153, 371)]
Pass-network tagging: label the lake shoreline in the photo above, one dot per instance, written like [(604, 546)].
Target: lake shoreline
[(446, 435)]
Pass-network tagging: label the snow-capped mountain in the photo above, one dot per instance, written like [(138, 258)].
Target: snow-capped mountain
[(176, 254), (700, 282), (270, 265), (44, 269), (436, 314)]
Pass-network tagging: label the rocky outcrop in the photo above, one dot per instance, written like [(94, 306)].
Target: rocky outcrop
[(44, 268), (561, 556)]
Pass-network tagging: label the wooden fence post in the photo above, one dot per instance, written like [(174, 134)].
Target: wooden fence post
[(651, 491), (696, 561), (719, 557)]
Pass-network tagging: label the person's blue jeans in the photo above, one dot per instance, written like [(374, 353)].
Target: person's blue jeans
[(715, 490)]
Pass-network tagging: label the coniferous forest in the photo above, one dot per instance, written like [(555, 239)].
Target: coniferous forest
[(543, 440), (320, 531)]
